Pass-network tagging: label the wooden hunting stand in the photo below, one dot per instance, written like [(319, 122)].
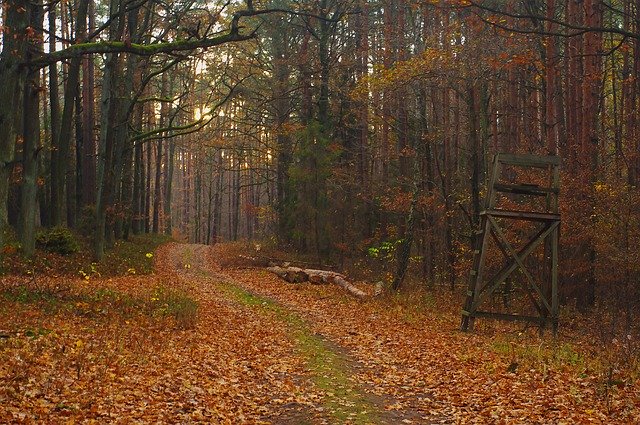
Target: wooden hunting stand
[(547, 221)]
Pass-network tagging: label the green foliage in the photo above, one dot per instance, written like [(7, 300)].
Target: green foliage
[(30, 294), (59, 240), (383, 257), (87, 221), (520, 349), (385, 251), (567, 354), (49, 295), (124, 303), (133, 256), (36, 333), (308, 176), (90, 271), (161, 302)]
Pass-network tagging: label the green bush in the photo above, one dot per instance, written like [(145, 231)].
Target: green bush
[(87, 221), (59, 240)]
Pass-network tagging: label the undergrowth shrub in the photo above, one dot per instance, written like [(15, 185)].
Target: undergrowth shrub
[(133, 256), (59, 240), (50, 295), (54, 297), (176, 303), (35, 292), (87, 221)]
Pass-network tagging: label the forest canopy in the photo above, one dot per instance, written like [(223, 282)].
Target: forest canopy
[(339, 128)]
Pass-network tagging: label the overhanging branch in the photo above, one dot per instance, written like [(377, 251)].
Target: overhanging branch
[(82, 49)]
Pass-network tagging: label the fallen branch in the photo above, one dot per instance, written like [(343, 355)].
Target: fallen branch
[(298, 275)]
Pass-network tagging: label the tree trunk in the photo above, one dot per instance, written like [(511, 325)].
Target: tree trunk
[(108, 118), (147, 192), (31, 146), (12, 83), (168, 187), (137, 223), (551, 61), (235, 220), (282, 106), (105, 155), (298, 275), (54, 105), (157, 188), (63, 142), (88, 163)]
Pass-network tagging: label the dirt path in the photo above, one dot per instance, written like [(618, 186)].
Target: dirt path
[(248, 355), (351, 366), (336, 388)]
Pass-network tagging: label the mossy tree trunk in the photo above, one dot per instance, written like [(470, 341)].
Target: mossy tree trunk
[(13, 75), (31, 145)]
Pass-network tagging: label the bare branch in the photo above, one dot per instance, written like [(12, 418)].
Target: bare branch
[(575, 29)]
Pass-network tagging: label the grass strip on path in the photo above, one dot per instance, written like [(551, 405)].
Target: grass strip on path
[(343, 400)]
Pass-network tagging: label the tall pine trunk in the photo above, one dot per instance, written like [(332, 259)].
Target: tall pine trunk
[(13, 77), (31, 144)]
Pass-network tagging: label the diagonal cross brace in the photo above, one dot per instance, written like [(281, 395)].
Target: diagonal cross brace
[(519, 260), (512, 265), (507, 258)]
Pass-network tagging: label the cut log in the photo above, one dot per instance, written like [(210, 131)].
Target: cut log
[(290, 274), (298, 275), (352, 289), (379, 288)]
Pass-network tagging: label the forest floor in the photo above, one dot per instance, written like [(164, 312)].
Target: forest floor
[(201, 342)]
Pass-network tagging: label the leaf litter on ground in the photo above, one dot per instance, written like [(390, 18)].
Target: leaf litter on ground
[(194, 343)]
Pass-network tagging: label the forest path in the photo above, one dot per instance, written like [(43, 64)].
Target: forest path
[(242, 361), (359, 357), (312, 377), (411, 362)]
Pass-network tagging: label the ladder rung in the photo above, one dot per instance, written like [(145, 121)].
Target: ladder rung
[(522, 215), (524, 189), (524, 160)]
